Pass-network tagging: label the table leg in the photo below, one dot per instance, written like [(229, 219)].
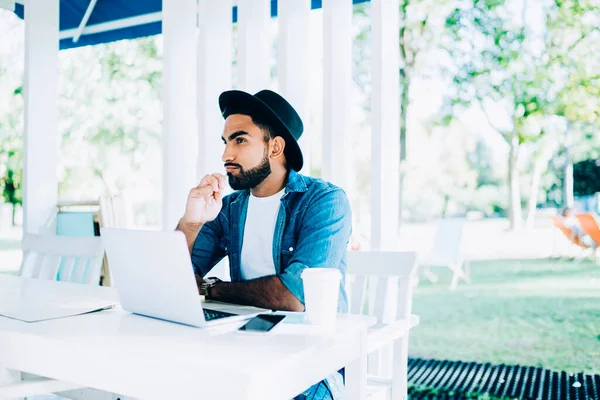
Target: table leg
[(356, 371)]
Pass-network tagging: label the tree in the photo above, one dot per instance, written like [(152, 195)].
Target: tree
[(498, 71), (11, 154), (11, 179), (586, 176), (573, 35), (110, 114), (419, 37)]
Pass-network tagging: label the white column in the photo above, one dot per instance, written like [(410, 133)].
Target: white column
[(214, 77), (254, 45), (292, 62), (179, 105), (337, 80), (385, 114), (40, 182)]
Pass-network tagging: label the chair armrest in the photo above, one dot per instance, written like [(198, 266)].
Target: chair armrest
[(35, 386), (381, 334)]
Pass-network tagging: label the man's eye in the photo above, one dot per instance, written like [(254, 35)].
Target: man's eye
[(239, 140)]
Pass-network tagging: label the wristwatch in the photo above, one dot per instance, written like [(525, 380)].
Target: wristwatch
[(207, 284)]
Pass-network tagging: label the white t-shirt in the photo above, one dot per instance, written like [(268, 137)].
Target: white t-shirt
[(257, 247)]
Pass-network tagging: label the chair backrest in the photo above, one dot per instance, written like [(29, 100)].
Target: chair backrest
[(381, 284), (62, 258), (447, 243), (113, 212)]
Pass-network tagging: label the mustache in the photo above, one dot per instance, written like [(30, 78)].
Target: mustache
[(232, 165)]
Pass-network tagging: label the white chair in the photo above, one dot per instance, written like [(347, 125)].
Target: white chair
[(114, 213), (447, 252), (381, 284), (62, 258)]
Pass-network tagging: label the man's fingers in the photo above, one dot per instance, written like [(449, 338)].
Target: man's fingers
[(208, 198), (201, 191), (218, 196), (213, 182), (216, 180), (222, 180), (203, 181)]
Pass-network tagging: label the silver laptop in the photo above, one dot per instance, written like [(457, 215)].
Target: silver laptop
[(153, 273)]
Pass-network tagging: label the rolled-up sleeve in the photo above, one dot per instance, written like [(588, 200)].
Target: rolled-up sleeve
[(322, 240)]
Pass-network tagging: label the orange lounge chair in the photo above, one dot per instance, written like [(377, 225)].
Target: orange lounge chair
[(559, 223), (590, 226)]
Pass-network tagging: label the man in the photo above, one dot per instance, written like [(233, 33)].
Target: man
[(276, 224)]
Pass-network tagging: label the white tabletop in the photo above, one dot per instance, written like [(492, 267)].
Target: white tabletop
[(146, 358)]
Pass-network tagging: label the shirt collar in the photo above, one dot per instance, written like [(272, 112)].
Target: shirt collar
[(295, 182)]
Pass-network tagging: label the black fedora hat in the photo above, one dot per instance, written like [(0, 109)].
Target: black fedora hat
[(272, 109)]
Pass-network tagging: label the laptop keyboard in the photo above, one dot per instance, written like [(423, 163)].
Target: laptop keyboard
[(210, 315)]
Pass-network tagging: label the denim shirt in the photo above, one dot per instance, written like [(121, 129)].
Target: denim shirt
[(312, 230)]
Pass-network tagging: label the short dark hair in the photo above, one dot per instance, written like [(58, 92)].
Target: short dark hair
[(268, 130), (265, 127)]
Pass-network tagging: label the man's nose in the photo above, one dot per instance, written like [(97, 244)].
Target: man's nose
[(227, 155)]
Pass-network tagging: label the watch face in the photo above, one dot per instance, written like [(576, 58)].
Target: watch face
[(207, 284)]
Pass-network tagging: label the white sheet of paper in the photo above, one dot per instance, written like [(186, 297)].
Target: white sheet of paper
[(34, 311), (33, 300)]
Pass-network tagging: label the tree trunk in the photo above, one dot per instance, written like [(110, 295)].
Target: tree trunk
[(445, 206), (513, 184), (14, 215), (535, 187), (404, 102), (568, 197)]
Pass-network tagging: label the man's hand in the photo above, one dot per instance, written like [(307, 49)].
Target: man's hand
[(205, 200), (203, 205)]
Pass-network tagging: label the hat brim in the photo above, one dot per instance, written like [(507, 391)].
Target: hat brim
[(240, 102)]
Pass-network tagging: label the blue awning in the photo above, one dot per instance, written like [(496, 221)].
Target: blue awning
[(72, 12)]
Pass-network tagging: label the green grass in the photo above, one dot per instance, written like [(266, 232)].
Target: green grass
[(543, 313)]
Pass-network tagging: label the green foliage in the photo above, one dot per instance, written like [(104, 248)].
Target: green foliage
[(480, 160), (493, 63), (111, 118), (12, 176), (11, 151), (586, 177)]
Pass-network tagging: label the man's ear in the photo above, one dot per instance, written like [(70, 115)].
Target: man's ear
[(277, 146)]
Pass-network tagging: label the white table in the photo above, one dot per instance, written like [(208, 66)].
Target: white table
[(135, 356)]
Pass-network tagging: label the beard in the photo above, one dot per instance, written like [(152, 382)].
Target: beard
[(252, 177)]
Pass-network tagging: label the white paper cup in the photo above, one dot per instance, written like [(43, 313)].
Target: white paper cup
[(321, 293)]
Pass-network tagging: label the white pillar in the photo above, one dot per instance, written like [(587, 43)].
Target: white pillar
[(292, 63), (40, 182), (214, 77), (337, 80), (179, 104), (254, 45), (385, 114)]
